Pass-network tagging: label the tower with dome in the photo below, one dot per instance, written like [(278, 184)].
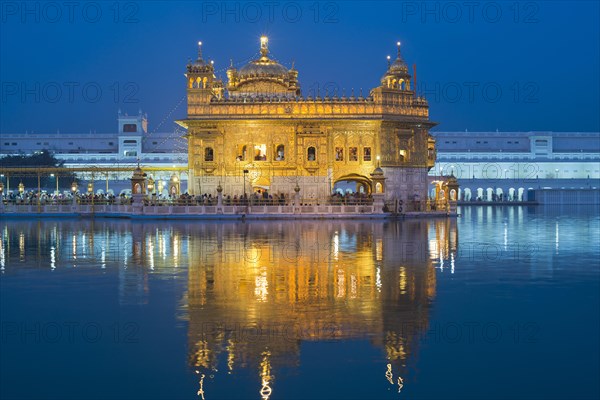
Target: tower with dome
[(257, 132)]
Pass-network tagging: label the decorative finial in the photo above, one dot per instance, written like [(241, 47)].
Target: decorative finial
[(264, 43), (231, 63), (399, 55), (388, 60), (199, 50)]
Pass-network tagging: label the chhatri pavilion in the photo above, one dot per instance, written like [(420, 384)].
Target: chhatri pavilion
[(257, 132)]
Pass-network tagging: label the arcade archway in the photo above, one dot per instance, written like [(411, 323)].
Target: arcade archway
[(353, 183)]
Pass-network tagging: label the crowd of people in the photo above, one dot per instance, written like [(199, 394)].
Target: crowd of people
[(43, 198), (260, 197)]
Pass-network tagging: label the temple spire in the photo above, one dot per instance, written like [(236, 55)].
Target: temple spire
[(399, 55), (199, 51), (264, 46)]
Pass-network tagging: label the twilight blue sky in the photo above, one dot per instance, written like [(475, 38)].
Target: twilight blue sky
[(482, 65)]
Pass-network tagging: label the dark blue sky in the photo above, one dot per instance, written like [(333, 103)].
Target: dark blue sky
[(484, 66)]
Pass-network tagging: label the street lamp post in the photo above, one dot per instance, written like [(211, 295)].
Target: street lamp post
[(245, 172), (150, 185), (55, 176), (74, 192), (151, 189)]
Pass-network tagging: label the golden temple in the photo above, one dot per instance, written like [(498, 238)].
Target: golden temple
[(256, 131)]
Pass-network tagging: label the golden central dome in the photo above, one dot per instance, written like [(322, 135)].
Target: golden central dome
[(263, 77)]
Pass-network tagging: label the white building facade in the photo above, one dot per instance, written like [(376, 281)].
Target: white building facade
[(131, 144), (505, 165)]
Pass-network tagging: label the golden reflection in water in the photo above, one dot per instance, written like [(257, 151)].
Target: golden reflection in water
[(256, 291)]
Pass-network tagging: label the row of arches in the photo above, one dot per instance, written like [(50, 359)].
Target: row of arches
[(401, 84), (198, 83), (260, 153), (493, 194)]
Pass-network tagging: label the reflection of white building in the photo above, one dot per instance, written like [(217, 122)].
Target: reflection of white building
[(131, 143), (510, 163)]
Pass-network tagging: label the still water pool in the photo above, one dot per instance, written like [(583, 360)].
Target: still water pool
[(499, 303)]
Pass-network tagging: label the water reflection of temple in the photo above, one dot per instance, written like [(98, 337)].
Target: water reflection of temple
[(256, 291)]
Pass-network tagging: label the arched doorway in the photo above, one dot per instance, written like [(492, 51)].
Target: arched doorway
[(480, 194), (467, 194), (352, 183)]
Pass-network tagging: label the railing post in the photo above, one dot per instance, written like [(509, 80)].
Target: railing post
[(219, 199), (297, 199), (137, 205), (378, 203), (74, 203)]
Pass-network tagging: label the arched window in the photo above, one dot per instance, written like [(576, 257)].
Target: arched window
[(280, 153), (241, 152), (312, 154), (402, 154), (209, 154)]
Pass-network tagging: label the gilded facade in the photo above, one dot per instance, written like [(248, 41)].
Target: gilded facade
[(256, 131)]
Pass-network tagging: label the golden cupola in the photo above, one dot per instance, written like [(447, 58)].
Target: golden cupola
[(202, 82), (397, 76), (263, 77)]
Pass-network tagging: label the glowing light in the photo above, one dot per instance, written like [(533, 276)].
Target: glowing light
[(336, 246), (2, 256), (402, 280), (353, 286), (388, 374), (389, 58), (52, 258), (264, 40), (341, 283), (199, 43), (398, 44), (261, 286)]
